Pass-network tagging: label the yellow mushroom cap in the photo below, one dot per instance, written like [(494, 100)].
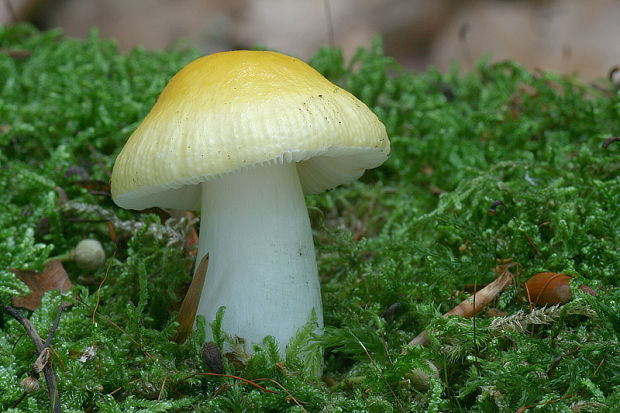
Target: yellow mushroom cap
[(242, 109)]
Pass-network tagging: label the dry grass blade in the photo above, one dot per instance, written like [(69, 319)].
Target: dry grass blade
[(189, 306)]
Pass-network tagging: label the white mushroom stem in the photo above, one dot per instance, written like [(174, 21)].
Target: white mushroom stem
[(262, 265)]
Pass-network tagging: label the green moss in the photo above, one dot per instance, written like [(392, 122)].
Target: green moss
[(414, 232)]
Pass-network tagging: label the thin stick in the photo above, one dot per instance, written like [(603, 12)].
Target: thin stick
[(48, 371), (18, 401), (473, 304), (32, 333), (161, 390), (50, 335), (609, 141), (598, 368)]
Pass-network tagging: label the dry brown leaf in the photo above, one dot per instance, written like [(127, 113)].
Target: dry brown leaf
[(53, 277)]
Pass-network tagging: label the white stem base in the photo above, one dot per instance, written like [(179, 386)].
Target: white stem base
[(262, 266)]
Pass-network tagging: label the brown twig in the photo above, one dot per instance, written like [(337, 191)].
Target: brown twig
[(50, 334), (102, 165), (609, 141), (48, 371), (161, 390), (18, 401), (598, 368), (472, 305)]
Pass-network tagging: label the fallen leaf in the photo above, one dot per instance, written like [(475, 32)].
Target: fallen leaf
[(53, 277)]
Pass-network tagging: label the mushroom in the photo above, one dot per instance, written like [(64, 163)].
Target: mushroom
[(241, 136)]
